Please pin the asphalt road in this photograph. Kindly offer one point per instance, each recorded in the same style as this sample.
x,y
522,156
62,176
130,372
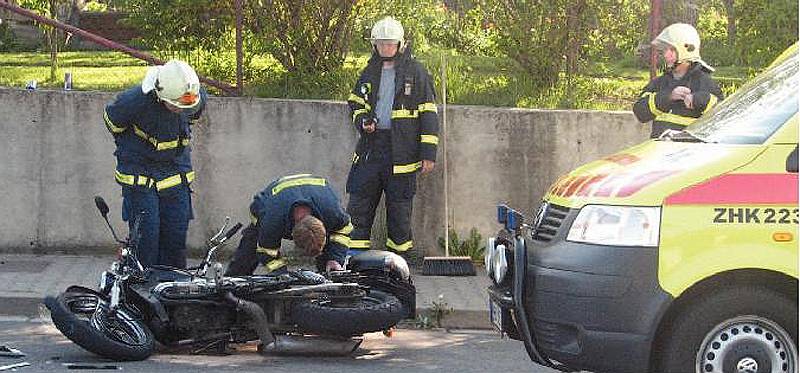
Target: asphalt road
x,y
409,350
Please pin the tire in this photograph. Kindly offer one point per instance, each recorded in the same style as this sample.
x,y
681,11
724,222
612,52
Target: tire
x,y
375,312
82,316
743,329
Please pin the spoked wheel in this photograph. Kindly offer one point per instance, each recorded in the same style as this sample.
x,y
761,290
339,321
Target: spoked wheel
x,y
83,316
375,311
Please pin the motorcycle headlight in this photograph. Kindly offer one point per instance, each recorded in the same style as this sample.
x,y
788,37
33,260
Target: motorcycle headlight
x,y
617,225
499,264
488,256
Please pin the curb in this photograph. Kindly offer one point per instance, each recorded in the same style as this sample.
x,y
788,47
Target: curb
x,y
31,307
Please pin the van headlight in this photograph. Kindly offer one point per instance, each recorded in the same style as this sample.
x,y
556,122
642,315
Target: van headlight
x,y
616,225
499,264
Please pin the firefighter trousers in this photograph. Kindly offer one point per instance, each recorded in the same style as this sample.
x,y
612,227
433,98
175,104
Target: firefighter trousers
x,y
163,219
369,179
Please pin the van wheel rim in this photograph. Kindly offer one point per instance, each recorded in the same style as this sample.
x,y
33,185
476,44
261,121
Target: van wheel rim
x,y
747,344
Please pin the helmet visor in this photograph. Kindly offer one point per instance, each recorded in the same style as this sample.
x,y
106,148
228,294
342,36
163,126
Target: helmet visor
x,y
187,100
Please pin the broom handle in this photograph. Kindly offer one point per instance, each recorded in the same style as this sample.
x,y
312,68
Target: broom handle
x,y
444,156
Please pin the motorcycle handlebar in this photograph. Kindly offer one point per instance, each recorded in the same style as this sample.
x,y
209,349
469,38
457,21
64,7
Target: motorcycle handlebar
x,y
233,230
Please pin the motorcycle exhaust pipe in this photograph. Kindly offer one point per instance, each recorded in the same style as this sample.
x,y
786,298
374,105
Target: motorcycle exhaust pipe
x,y
298,345
256,314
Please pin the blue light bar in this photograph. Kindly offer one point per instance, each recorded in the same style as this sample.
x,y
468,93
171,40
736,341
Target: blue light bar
x,y
502,213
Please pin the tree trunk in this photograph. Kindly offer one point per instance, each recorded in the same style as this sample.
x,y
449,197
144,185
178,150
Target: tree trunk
x,y
53,41
731,14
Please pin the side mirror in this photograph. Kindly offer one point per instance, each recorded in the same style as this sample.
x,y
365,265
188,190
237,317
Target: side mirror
x,y
791,161
101,205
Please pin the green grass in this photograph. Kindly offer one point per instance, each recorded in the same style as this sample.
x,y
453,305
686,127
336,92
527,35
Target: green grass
x,y
105,71
471,80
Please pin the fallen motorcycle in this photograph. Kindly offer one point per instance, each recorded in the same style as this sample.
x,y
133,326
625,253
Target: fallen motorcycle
x,y
134,306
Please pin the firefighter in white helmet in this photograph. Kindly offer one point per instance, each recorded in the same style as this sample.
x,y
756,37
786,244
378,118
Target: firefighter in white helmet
x,y
151,125
685,91
392,106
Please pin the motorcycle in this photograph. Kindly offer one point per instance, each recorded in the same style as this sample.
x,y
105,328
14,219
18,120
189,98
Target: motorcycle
x,y
134,306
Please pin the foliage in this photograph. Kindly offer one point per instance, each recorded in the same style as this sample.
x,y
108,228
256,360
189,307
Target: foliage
x,y
95,6
8,40
765,29
304,36
621,27
171,26
56,9
471,246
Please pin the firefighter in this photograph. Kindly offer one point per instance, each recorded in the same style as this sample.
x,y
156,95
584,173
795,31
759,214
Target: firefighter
x,y
151,124
303,208
392,107
685,91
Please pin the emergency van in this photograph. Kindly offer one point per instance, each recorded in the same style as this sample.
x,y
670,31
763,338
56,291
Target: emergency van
x,y
676,255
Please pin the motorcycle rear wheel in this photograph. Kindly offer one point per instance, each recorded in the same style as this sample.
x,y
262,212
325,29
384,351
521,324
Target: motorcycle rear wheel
x,y
83,316
376,311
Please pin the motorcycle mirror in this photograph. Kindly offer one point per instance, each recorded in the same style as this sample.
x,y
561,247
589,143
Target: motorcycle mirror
x,y
101,205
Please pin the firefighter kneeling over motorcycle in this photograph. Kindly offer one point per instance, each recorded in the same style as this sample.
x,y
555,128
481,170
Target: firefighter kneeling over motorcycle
x,y
303,208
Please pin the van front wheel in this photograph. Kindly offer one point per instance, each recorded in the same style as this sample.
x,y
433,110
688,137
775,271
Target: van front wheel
x,y
742,330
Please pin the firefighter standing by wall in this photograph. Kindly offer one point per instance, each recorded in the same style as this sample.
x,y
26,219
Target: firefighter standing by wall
x,y
685,91
151,128
303,208
393,108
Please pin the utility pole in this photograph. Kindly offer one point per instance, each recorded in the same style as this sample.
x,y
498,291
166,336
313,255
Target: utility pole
x,y
655,28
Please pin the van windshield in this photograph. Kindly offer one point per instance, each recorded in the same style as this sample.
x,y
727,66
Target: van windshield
x,y
756,111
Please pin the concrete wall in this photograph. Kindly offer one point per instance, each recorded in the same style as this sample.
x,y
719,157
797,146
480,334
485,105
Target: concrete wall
x,y
57,155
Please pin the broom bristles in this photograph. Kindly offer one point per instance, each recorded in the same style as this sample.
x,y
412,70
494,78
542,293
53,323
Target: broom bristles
x,y
448,266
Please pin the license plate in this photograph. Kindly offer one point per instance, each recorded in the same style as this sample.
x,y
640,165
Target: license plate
x,y
496,316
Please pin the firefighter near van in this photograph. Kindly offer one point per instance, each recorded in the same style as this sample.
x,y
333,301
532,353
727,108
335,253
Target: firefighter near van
x,y
392,107
677,255
685,91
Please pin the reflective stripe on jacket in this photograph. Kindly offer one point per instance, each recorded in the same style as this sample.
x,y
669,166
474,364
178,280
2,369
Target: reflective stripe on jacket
x,y
654,103
415,119
152,142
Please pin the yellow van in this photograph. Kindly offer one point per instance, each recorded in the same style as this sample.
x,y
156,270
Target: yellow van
x,y
676,255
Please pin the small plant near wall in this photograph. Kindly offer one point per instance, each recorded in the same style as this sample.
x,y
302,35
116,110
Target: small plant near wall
x,y
472,246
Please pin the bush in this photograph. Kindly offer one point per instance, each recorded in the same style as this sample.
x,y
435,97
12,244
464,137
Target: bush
x,y
8,41
472,246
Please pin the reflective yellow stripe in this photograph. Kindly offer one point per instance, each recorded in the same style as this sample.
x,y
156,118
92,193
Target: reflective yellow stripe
x,y
401,248
406,168
358,100
427,106
298,182
712,100
275,264
429,139
675,119
651,103
166,145
110,125
291,177
404,114
174,180
268,251
130,179
359,244
346,229
355,158
359,112
342,239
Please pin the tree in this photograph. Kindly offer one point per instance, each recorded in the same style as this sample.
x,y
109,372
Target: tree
x,y
60,10
305,36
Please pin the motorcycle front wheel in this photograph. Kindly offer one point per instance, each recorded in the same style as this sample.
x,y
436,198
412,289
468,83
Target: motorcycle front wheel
x,y
83,316
376,311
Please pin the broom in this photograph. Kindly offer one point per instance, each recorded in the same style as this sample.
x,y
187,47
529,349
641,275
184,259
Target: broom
x,y
446,265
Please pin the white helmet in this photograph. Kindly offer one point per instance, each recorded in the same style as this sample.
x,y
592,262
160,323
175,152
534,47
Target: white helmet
x,y
175,82
686,41
388,28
